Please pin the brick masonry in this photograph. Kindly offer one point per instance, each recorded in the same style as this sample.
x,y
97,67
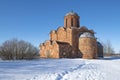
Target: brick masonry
x,y
88,47
66,43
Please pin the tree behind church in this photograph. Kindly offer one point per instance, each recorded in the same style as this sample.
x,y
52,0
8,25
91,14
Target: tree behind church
x,y
107,48
17,49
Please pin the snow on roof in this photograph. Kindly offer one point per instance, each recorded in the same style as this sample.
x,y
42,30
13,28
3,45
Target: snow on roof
x,y
87,34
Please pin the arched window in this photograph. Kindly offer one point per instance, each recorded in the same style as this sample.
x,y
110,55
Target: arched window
x,y
72,22
66,22
77,23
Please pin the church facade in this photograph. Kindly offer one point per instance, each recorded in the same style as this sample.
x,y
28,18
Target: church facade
x,y
71,41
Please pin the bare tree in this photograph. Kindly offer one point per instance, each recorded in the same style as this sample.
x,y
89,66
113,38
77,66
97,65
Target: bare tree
x,y
107,47
15,49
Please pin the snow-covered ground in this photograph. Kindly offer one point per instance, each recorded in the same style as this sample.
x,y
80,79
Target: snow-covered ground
x,y
61,69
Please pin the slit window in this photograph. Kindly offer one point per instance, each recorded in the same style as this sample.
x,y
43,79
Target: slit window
x,y
72,22
66,22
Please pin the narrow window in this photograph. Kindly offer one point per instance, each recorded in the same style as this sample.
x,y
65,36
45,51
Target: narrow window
x,y
77,23
66,22
72,22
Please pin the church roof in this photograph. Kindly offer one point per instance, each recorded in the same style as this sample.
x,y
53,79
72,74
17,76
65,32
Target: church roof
x,y
71,13
85,29
99,44
87,34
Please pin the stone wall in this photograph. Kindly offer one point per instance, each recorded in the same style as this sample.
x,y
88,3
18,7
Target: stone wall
x,y
62,35
68,35
65,50
88,47
53,35
75,39
71,21
55,49
49,49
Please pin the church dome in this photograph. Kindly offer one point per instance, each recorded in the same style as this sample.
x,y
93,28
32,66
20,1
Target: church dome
x,y
87,34
71,13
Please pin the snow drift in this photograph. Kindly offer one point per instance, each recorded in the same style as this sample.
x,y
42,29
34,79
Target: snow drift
x,y
61,69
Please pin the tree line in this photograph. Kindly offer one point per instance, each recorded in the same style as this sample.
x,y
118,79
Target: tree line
x,y
108,49
17,50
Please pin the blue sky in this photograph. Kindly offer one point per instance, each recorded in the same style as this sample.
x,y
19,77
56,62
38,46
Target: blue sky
x,y
32,20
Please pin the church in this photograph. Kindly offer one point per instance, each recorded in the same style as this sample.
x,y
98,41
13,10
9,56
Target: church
x,y
71,41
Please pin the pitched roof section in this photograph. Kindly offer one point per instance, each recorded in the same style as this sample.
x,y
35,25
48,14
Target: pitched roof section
x,y
87,34
85,29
